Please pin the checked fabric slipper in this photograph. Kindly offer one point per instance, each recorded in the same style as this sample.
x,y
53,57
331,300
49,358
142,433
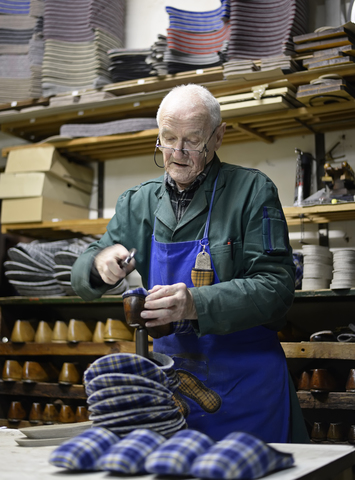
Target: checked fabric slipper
x,y
128,456
240,456
82,452
176,455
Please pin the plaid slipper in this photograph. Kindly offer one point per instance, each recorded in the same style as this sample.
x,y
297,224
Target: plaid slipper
x,y
176,455
81,452
128,456
240,456
128,363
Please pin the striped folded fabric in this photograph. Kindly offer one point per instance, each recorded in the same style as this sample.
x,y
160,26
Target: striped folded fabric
x,y
128,456
200,43
265,28
199,22
240,456
176,455
13,7
83,451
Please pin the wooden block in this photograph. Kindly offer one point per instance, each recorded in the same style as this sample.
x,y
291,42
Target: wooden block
x,y
347,28
330,62
326,43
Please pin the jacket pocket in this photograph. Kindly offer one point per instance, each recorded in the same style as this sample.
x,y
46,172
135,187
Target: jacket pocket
x,y
226,259
275,232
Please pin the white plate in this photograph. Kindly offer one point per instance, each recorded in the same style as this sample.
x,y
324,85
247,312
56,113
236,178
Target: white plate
x,y
56,431
42,442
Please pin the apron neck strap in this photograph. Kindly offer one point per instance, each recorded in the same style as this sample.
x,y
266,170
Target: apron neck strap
x,y
205,234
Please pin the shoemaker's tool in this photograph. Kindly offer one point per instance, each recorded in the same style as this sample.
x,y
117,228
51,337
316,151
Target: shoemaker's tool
x,y
127,260
133,305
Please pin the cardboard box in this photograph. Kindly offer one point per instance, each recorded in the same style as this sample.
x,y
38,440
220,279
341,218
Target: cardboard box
x,y
34,184
48,159
39,209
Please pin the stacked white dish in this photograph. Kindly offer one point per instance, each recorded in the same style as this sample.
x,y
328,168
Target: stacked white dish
x,y
317,267
343,269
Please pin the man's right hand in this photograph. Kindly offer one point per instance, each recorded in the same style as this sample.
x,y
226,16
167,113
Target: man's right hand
x,y
107,264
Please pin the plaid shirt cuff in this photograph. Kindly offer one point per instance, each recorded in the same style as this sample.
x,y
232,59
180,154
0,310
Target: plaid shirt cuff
x,y
183,327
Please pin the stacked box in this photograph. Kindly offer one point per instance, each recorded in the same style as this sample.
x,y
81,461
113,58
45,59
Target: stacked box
x,y
40,185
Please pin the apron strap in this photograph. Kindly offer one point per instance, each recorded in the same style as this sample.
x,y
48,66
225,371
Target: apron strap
x,y
207,227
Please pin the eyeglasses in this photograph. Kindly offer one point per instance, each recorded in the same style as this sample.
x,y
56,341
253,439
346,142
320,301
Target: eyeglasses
x,y
188,152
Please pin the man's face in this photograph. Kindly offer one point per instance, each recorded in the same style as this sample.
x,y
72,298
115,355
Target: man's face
x,y
183,128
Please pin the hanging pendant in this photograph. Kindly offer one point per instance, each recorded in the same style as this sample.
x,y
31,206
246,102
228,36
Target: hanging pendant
x,y
202,273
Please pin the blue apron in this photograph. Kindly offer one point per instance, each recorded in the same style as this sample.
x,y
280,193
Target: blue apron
x,y
247,368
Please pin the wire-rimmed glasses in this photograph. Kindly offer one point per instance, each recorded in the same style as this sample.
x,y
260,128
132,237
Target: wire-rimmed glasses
x,y
188,152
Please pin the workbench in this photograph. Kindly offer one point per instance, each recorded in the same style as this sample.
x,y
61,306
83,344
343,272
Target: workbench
x,y
312,462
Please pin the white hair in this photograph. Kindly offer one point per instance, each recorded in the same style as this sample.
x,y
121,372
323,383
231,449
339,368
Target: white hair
x,y
201,94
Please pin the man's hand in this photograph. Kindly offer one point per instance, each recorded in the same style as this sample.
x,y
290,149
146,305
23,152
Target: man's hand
x,y
168,303
107,264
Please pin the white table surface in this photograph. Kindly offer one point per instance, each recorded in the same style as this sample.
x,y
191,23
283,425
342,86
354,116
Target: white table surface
x,y
312,462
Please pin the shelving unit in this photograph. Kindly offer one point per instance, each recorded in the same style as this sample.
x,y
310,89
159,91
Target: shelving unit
x,y
35,121
81,353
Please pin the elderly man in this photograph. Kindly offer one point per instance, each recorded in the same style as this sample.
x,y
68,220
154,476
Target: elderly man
x,y
213,250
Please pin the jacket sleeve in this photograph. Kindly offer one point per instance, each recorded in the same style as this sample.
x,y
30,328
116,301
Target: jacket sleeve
x,y
131,226
260,288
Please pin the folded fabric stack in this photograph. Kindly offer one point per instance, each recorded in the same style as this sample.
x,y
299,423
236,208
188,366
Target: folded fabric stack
x,y
158,66
128,391
343,269
41,268
187,453
196,40
108,128
77,37
128,64
265,28
317,267
284,62
21,50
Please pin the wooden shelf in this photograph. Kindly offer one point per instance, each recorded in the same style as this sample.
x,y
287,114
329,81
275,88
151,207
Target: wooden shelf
x,y
320,213
49,390
331,400
65,300
67,349
327,350
142,97
69,228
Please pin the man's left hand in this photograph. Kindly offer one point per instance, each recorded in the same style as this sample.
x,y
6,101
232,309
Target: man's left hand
x,y
168,303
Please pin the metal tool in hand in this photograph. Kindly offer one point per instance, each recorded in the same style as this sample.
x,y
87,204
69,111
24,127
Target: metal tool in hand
x,y
127,260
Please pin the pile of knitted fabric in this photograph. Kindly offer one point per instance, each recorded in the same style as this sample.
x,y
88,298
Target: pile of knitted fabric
x,y
196,40
21,50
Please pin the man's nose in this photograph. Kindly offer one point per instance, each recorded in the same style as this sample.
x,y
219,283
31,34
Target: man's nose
x,y
178,152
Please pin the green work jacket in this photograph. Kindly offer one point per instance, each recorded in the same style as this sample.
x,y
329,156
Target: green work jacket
x,y
248,239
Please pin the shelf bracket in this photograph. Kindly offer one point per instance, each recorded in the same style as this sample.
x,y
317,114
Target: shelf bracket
x,y
253,132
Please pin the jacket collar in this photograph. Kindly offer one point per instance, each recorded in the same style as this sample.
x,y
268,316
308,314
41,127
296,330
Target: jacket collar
x,y
200,202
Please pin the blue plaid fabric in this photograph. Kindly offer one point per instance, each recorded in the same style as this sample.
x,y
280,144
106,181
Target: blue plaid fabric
x,y
135,291
124,390
121,380
298,261
128,456
82,451
127,363
126,402
240,456
176,455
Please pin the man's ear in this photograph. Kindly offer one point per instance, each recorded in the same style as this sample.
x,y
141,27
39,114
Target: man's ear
x,y
219,135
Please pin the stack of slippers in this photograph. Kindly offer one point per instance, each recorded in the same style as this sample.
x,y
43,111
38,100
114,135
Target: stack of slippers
x,y
128,391
186,453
